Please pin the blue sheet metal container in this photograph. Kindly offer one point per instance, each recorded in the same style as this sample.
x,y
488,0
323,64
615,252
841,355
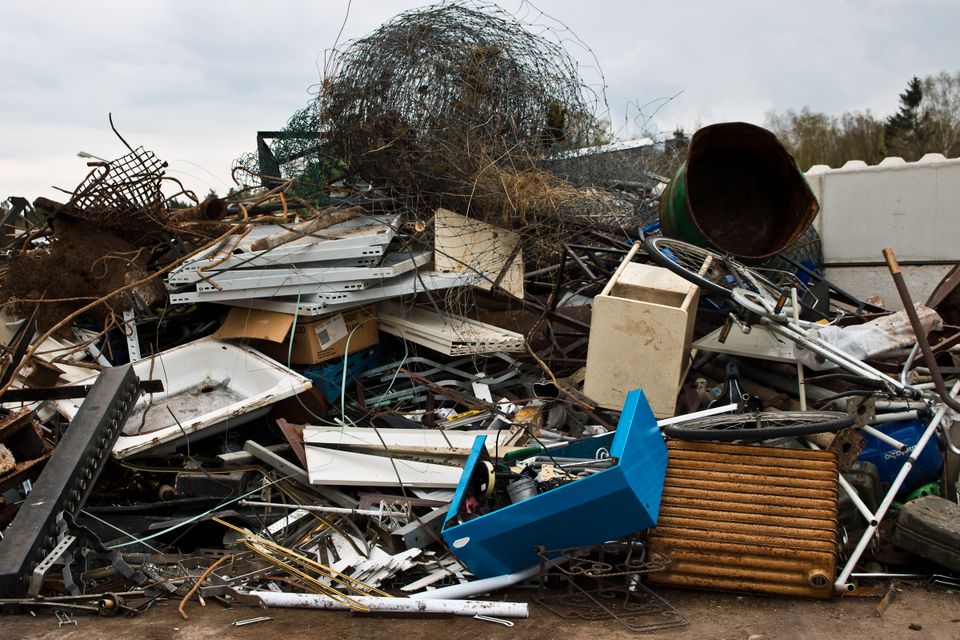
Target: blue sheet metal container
x,y
615,502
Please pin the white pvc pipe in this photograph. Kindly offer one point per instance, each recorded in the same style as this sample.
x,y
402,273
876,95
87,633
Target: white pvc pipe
x,y
883,418
880,435
474,587
485,585
406,605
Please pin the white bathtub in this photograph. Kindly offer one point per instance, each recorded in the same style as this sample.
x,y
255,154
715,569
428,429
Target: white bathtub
x,y
209,385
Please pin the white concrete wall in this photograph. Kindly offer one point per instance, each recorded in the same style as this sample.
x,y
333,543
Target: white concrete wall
x,y
913,207
875,281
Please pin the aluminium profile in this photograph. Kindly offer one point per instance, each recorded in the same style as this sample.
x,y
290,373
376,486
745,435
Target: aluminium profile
x,y
334,291
407,284
361,242
190,273
393,265
450,334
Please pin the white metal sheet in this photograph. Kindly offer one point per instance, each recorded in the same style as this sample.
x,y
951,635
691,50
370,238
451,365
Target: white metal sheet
x,y
346,468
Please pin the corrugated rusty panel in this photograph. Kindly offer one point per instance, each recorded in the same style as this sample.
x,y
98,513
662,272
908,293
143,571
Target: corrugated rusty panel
x,y
748,518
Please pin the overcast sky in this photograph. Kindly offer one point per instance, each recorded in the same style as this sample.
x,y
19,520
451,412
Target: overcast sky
x,y
194,80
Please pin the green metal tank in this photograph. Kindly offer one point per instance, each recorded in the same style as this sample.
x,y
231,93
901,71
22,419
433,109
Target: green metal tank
x,y
740,192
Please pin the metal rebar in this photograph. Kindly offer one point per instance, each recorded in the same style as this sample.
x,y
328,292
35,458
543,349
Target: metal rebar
x,y
918,332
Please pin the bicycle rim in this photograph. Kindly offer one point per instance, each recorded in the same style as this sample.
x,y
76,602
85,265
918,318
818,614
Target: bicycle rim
x,y
759,426
720,277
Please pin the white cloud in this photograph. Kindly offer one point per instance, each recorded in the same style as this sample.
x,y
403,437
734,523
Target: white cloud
x,y
195,80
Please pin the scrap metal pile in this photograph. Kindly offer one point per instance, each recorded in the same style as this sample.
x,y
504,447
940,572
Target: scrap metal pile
x,y
408,365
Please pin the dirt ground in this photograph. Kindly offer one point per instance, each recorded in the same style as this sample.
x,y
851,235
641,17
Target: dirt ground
x,y
915,612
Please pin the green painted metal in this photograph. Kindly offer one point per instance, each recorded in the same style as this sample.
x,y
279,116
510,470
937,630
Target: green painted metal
x,y
739,191
676,221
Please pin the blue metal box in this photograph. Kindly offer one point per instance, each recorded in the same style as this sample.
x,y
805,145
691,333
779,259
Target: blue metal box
x,y
612,503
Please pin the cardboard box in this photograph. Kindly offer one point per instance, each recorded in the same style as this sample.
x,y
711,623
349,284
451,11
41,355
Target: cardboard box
x,y
315,339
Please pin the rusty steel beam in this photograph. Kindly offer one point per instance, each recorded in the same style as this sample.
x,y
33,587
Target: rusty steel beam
x,y
68,477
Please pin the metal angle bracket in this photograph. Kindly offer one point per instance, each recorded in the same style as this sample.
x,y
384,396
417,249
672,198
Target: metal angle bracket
x,y
131,334
41,570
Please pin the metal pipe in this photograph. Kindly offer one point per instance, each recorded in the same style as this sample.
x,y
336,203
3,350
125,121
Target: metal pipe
x,y
880,435
909,363
855,498
801,382
839,357
899,416
918,332
405,605
320,509
485,585
898,405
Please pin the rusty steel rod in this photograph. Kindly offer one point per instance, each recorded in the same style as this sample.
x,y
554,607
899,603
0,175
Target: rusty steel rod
x,y
925,349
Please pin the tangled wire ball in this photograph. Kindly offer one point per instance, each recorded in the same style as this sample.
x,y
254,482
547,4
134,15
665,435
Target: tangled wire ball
x,y
432,97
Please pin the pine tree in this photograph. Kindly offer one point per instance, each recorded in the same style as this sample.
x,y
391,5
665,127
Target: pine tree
x,y
905,132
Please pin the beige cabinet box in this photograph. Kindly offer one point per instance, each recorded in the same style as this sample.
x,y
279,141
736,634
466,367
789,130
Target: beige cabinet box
x,y
640,337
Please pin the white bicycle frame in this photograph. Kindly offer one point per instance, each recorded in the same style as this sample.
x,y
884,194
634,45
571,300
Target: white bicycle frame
x,y
781,323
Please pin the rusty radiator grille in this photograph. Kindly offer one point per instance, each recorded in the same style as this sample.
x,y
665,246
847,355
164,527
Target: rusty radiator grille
x,y
748,518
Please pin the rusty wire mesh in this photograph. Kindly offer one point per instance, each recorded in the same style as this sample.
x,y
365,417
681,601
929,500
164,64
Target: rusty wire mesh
x,y
123,195
461,106
432,97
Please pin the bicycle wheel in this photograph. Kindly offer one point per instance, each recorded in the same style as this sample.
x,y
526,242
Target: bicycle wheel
x,y
720,276
752,427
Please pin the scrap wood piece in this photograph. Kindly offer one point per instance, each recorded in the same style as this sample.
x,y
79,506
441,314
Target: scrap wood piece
x,y
312,304
7,461
463,244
